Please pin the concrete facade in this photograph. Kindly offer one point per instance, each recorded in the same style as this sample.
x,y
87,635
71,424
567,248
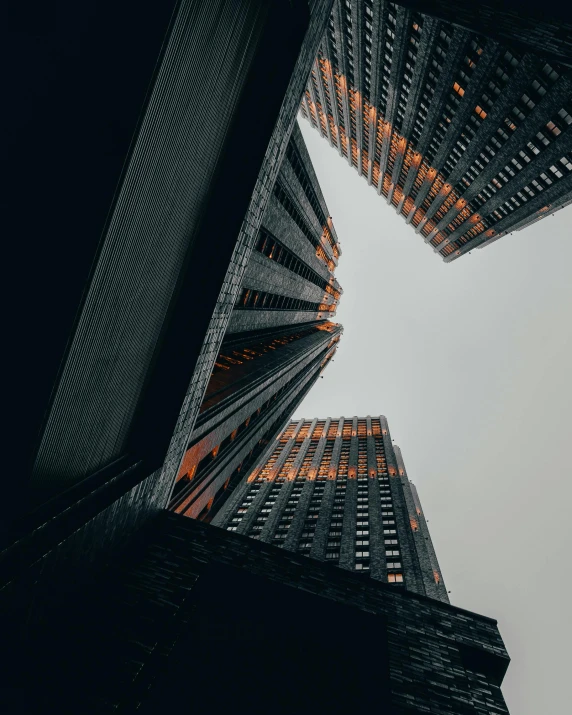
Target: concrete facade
x,y
278,340
337,490
466,137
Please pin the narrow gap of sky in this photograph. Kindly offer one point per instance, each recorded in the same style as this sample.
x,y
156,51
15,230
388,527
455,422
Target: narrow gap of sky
x,y
470,363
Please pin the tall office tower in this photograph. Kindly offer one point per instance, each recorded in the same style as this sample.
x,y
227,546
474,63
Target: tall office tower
x,y
278,341
466,138
337,490
149,174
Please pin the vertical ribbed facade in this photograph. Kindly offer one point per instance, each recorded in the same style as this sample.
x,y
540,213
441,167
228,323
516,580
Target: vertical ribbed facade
x,y
466,138
166,109
337,490
278,340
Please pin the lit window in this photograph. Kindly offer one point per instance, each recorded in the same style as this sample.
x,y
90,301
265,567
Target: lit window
x,y
395,578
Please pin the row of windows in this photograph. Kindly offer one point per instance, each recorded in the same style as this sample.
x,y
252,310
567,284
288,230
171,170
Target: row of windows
x,y
272,248
256,299
299,169
299,220
229,357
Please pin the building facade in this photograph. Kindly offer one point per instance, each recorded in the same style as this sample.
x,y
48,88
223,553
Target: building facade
x,y
467,138
279,339
132,315
190,599
337,490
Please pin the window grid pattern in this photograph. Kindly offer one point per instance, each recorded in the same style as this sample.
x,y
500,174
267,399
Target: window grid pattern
x,y
420,175
319,473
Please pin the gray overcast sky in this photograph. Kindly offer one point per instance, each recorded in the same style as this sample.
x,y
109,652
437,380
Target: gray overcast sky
x,y
470,362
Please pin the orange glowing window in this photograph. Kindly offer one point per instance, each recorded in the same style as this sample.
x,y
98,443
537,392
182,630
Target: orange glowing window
x,y
414,523
458,89
436,577
481,112
395,578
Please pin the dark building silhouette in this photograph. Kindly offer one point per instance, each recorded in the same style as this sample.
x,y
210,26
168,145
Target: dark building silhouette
x,y
278,340
128,250
337,490
194,617
466,137
545,29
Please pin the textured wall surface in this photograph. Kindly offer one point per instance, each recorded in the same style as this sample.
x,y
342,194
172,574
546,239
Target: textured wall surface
x,y
90,429
147,629
245,241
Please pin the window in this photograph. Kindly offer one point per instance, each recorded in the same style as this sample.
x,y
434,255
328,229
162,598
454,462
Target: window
x,y
362,554
395,578
393,565
392,552
362,567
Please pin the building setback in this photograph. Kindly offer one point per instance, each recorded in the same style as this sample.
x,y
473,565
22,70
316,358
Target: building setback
x,y
337,490
465,137
194,616
278,340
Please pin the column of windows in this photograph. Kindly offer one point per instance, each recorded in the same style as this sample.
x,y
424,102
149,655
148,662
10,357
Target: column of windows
x,y
335,533
410,60
251,299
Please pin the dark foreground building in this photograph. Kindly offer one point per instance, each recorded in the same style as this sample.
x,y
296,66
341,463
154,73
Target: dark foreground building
x,y
279,339
337,490
466,137
139,178
198,619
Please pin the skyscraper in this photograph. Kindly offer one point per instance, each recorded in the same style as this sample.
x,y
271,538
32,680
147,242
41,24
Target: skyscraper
x,y
468,139
149,174
278,341
337,490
